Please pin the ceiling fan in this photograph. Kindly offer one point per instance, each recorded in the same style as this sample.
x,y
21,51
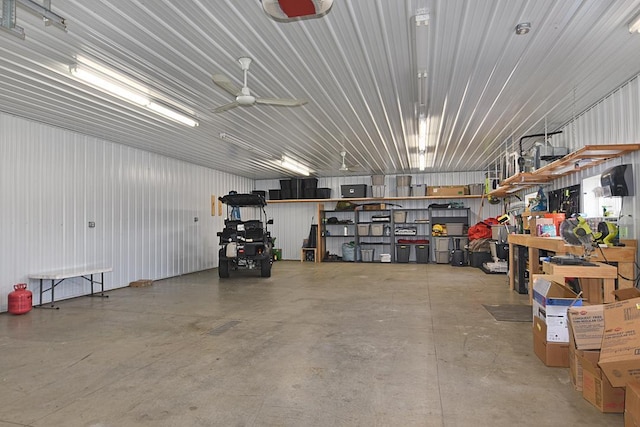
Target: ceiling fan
x,y
348,168
243,95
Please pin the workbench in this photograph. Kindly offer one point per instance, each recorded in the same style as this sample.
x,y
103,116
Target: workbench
x,y
624,256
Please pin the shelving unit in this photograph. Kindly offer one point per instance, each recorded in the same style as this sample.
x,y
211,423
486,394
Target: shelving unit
x,y
415,218
447,216
335,232
380,242
584,158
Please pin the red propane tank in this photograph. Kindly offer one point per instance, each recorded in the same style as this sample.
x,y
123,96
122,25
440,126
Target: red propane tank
x,y
20,299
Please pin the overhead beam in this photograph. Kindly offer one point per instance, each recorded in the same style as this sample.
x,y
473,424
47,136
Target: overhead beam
x,y
50,18
8,19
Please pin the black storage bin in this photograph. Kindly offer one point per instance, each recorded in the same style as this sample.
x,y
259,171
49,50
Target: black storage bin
x,y
476,259
260,193
296,188
309,193
309,183
354,190
402,253
285,184
422,254
275,195
323,193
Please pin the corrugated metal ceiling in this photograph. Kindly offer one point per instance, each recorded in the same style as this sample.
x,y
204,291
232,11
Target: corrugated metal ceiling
x,y
357,66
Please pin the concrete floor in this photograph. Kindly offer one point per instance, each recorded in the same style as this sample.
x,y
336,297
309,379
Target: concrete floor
x,y
315,345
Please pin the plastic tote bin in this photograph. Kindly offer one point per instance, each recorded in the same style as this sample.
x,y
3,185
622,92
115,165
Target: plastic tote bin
x,y
422,254
399,216
442,244
454,228
367,255
402,253
442,257
363,229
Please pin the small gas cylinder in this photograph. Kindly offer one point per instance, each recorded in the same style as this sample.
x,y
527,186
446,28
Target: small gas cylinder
x,y
20,300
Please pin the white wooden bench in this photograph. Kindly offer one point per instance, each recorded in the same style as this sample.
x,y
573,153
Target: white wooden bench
x,y
59,276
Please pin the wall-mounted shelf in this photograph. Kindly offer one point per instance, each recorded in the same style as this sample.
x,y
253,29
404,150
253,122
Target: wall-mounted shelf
x,y
584,158
376,199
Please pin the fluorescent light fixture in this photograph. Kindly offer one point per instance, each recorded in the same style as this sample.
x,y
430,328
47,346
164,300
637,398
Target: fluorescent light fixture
x,y
422,133
116,84
634,25
422,161
173,115
108,86
294,166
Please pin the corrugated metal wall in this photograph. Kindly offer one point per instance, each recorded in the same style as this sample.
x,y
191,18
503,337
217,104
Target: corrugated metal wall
x,y
292,221
53,182
613,120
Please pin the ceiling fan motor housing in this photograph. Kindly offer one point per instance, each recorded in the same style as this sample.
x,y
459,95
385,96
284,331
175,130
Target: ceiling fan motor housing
x,y
245,99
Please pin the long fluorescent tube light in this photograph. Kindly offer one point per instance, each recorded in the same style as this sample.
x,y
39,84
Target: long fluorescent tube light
x,y
294,166
122,90
634,25
422,161
422,133
107,86
167,112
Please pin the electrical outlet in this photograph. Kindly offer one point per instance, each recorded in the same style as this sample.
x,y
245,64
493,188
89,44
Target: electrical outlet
x,y
195,219
92,224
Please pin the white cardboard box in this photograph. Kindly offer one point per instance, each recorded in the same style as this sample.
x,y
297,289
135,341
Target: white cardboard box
x,y
550,303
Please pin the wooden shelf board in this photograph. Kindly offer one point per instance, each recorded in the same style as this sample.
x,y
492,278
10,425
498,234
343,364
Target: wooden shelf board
x,y
374,200
584,158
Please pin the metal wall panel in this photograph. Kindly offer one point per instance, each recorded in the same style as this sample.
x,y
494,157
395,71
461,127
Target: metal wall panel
x,y
613,120
53,182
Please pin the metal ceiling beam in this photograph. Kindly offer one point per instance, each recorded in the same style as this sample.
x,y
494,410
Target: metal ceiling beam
x,y
44,11
8,19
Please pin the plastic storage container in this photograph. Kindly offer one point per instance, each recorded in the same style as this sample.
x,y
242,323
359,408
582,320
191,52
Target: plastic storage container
x,y
399,216
377,180
442,244
422,254
442,257
403,181
377,191
402,253
454,228
363,229
403,191
377,229
367,255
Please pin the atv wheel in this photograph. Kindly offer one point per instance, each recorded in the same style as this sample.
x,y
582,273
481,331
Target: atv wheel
x,y
265,268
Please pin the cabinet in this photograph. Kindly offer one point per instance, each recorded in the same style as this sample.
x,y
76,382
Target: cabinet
x,y
456,221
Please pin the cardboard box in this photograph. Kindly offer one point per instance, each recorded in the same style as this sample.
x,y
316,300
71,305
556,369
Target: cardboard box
x,y
620,354
448,190
141,283
550,303
632,405
597,389
544,227
575,359
552,354
587,326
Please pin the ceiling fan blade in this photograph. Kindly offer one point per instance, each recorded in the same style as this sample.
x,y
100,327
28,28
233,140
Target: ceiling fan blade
x,y
287,102
226,84
226,107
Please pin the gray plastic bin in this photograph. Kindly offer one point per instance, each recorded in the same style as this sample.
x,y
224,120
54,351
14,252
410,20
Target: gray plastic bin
x,y
403,252
422,254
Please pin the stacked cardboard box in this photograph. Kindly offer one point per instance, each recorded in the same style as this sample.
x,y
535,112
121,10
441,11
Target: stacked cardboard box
x,y
605,350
